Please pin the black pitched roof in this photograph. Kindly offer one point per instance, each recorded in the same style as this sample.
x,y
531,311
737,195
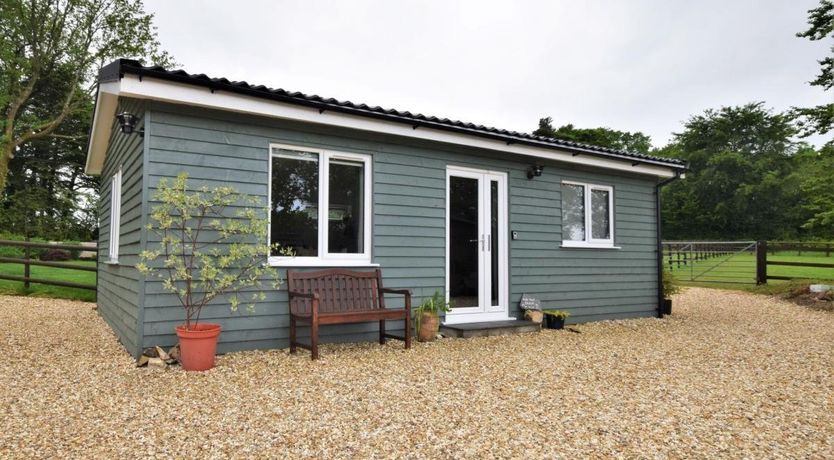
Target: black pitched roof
x,y
116,69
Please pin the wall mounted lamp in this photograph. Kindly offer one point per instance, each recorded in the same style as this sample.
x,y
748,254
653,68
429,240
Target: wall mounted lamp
x,y
127,122
535,171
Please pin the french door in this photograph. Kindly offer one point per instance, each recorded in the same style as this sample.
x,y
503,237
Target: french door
x,y
476,245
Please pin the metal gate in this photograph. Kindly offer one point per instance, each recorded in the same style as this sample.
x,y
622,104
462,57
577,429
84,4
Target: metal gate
x,y
711,261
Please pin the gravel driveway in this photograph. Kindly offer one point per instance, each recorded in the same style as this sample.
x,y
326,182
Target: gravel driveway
x,y
728,375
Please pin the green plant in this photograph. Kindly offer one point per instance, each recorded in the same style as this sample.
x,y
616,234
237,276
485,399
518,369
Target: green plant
x,y
18,252
433,305
668,286
212,243
560,314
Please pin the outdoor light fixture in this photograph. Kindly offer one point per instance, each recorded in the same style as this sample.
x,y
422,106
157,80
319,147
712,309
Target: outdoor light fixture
x,y
127,121
534,171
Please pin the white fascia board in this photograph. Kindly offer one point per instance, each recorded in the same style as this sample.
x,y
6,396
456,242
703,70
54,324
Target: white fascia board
x,y
107,99
180,93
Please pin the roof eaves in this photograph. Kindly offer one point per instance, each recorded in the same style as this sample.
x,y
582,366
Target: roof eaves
x,y
119,67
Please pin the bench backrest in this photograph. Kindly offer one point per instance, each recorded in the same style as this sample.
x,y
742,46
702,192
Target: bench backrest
x,y
339,290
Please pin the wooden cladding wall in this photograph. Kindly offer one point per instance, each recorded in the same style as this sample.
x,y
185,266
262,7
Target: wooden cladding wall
x,y
408,222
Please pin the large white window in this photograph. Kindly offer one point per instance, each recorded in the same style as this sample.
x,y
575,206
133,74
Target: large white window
x,y
320,206
587,215
115,214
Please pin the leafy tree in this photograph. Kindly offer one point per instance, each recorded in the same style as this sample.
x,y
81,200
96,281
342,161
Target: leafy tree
x,y
740,183
206,249
815,175
47,41
636,142
47,193
820,119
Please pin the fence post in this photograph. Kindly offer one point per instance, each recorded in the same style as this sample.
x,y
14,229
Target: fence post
x,y
761,262
26,269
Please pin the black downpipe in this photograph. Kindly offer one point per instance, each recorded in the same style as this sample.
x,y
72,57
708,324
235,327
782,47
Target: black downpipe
x,y
660,185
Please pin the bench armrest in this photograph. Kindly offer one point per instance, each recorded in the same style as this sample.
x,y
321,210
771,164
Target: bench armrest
x,y
405,292
314,303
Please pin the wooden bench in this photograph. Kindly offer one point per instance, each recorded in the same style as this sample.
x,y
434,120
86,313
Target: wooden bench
x,y
338,296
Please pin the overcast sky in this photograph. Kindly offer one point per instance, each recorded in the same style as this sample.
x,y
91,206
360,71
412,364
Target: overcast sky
x,y
635,66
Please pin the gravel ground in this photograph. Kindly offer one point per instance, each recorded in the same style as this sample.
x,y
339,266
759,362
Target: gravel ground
x,y
728,375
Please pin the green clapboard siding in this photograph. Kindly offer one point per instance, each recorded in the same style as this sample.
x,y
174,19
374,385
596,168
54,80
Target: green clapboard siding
x,y
408,222
119,293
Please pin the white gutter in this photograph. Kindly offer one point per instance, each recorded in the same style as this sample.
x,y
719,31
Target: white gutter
x,y
179,93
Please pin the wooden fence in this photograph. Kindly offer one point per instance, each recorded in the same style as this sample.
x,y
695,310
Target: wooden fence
x,y
27,261
742,262
762,261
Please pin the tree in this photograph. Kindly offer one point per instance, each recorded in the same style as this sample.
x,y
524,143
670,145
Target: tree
x,y
820,119
206,249
48,41
635,142
815,175
740,183
47,193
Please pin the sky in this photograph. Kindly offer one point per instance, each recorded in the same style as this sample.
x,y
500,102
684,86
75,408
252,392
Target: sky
x,y
633,66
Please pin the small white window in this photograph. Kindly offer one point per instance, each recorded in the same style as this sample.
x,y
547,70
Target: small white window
x,y
320,206
587,215
115,213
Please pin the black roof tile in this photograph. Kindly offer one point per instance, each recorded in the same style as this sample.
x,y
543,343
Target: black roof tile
x,y
129,66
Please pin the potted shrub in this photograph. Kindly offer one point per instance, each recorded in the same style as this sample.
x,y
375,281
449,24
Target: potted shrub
x,y
668,288
427,316
211,244
555,319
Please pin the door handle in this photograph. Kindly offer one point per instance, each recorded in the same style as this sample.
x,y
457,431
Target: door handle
x,y
480,240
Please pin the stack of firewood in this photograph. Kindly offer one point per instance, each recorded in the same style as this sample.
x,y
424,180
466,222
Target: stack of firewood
x,y
157,357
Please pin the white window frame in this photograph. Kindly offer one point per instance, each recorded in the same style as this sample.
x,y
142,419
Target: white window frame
x,y
590,242
326,258
115,215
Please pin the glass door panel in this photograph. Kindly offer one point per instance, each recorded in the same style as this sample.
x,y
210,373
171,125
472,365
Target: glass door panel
x,y
464,242
492,239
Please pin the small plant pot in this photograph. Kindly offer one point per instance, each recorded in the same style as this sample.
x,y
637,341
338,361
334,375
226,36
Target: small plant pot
x,y
429,325
666,306
198,346
553,322
535,316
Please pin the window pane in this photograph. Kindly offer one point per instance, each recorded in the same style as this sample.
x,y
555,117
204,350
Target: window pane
x,y
345,217
573,212
295,202
600,216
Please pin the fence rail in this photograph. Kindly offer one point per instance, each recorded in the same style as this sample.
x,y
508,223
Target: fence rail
x,y
27,261
747,262
774,248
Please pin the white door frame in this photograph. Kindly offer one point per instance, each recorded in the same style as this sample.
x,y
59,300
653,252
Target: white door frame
x,y
484,311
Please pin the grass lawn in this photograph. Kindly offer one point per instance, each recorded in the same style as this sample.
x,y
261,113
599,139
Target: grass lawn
x,y
50,273
741,268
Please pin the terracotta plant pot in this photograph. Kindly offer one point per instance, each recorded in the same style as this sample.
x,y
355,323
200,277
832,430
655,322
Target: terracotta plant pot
x,y
198,346
429,325
535,316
